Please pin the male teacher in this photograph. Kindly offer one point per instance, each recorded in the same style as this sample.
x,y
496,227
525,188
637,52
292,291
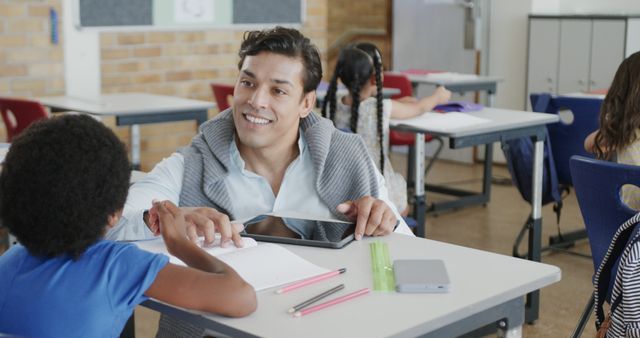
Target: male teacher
x,y
268,153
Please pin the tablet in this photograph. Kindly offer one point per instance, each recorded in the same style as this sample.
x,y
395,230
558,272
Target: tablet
x,y
421,275
268,228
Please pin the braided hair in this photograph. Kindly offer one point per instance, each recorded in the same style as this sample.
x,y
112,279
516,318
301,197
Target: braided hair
x,y
354,68
374,53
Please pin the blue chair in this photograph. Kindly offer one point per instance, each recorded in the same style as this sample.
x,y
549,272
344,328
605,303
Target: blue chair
x,y
567,139
597,184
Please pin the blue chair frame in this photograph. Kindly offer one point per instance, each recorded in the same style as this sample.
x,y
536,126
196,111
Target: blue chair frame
x,y
597,184
567,139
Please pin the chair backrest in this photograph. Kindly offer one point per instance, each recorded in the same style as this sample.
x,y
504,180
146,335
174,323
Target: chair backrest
x,y
567,137
597,184
399,81
18,114
221,93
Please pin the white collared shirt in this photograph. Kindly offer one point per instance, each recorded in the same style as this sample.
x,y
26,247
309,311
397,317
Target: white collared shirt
x,y
251,194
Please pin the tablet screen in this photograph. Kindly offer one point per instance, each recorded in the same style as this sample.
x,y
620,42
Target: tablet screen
x,y
297,231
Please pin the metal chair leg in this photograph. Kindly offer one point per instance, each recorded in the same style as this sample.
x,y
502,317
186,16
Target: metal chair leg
x,y
584,318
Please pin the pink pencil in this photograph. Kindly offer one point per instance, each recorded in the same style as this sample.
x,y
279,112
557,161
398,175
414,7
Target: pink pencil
x,y
331,302
310,280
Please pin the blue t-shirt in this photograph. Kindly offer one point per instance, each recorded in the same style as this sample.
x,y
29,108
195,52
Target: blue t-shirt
x,y
59,297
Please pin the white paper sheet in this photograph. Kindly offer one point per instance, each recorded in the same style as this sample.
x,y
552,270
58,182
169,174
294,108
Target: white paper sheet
x,y
442,122
261,265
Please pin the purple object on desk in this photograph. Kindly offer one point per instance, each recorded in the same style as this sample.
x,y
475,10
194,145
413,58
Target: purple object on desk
x,y
458,106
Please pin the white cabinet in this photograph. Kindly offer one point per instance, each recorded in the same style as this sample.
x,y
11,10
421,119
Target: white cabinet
x,y
577,53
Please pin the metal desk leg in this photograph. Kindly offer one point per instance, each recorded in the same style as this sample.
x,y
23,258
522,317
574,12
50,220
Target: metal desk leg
x,y
419,206
135,146
535,232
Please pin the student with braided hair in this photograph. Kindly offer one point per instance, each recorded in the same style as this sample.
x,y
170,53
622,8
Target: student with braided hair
x,y
364,111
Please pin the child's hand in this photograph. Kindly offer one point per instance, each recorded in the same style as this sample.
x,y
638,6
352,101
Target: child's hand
x,y
442,95
171,222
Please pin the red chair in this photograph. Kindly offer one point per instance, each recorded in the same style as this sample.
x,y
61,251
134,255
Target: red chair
x,y
398,138
18,114
221,93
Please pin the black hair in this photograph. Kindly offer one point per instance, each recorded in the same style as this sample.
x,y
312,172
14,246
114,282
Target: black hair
x,y
355,66
61,180
289,42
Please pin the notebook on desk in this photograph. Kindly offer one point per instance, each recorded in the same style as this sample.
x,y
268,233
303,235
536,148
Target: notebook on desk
x,y
263,266
438,122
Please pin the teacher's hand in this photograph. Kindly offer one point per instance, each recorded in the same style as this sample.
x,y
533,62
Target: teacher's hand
x,y
204,221
373,217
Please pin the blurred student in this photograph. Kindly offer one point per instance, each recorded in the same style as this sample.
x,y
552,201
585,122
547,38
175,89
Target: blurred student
x,y
364,111
618,138
63,183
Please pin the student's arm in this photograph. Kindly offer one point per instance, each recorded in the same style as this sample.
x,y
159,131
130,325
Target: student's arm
x,y
405,109
590,142
164,182
207,284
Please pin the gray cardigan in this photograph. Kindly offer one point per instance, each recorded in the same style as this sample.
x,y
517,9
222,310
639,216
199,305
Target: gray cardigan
x,y
343,169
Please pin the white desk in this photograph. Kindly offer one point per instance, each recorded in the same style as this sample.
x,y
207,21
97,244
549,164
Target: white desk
x,y
503,125
321,92
487,288
132,109
458,83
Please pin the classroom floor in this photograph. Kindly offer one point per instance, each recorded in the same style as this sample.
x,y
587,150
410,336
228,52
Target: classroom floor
x,y
494,228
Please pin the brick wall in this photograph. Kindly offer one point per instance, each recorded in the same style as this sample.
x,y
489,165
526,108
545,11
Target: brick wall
x,y
345,16
179,63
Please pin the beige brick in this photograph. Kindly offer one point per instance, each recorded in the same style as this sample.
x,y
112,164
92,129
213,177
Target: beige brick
x,y
4,86
190,36
13,41
45,69
41,10
113,68
147,52
13,70
205,49
28,25
28,85
115,53
219,36
146,78
107,40
161,37
176,50
179,76
207,74
40,40
23,55
13,9
161,64
115,80
170,140
131,38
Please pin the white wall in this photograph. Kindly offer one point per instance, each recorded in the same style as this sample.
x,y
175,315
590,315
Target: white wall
x,y
508,50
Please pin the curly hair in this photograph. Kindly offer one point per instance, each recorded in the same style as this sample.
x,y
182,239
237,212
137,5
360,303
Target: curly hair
x,y
61,180
289,42
620,111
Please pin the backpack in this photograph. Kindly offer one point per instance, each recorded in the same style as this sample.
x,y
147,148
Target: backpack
x,y
623,254
519,154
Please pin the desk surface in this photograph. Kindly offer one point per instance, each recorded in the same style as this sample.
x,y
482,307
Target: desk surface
x,y
497,120
480,280
125,103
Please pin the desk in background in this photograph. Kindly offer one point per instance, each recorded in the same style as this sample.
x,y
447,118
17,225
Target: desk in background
x,y
133,109
502,125
486,288
460,83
